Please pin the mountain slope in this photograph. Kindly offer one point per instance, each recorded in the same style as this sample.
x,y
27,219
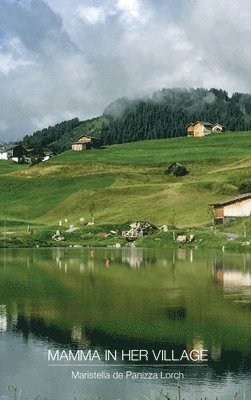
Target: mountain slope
x,y
59,138
127,182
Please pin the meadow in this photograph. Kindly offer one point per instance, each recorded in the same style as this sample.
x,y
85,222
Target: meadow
x,y
127,182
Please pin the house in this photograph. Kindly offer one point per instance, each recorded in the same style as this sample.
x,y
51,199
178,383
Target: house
x,y
201,128
85,143
218,128
11,151
236,207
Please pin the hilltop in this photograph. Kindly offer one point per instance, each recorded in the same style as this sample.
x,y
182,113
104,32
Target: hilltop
x,y
126,183
166,113
163,114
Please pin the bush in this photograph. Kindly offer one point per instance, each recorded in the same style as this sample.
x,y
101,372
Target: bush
x,y
245,187
176,169
180,171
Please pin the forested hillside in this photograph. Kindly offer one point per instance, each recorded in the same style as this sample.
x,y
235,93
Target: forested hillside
x,y
166,114
58,138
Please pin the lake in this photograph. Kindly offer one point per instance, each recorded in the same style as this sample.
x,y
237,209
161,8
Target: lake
x,y
132,305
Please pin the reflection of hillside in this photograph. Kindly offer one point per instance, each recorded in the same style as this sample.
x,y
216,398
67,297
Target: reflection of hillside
x,y
220,359
38,327
166,300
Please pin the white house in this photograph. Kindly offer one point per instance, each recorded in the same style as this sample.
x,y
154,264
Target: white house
x,y
237,207
10,151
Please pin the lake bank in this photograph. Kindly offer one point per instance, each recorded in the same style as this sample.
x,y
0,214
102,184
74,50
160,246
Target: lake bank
x,y
232,237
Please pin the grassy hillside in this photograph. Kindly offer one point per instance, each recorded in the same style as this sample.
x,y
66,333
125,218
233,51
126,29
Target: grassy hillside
x,y
59,137
90,127
127,182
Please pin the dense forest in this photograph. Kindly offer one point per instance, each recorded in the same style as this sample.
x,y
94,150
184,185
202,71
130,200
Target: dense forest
x,y
166,113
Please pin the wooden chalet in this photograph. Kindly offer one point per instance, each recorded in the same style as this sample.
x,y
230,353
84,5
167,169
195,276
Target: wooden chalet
x,y
236,207
201,128
85,143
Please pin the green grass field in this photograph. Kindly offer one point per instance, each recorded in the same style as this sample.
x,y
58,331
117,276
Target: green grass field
x,y
127,182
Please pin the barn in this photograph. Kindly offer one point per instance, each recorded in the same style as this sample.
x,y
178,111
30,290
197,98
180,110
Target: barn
x,y
85,143
236,207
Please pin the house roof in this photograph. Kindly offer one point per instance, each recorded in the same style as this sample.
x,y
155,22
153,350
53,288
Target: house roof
x,y
200,122
7,147
79,141
217,123
87,136
204,123
235,199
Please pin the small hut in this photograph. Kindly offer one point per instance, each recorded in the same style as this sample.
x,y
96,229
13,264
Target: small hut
x,y
85,143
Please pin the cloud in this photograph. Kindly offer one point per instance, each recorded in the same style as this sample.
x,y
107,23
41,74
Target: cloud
x,y
60,58
91,14
12,56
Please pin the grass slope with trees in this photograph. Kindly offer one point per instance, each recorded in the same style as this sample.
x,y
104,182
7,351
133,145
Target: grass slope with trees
x,y
59,138
125,183
167,112
164,114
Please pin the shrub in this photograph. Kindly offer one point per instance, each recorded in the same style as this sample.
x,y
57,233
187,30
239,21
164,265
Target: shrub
x,y
176,169
180,171
245,187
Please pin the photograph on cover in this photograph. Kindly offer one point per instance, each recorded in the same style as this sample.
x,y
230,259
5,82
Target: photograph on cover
x,y
125,176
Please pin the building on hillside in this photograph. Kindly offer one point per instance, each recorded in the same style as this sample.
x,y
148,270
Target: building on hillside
x,y
201,128
236,207
218,128
11,151
85,143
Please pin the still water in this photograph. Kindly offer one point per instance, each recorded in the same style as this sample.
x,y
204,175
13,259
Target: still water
x,y
119,300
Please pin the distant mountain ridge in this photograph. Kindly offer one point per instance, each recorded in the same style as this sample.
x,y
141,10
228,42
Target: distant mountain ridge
x,y
164,114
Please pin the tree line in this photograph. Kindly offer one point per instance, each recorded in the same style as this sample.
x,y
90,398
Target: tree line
x,y
166,114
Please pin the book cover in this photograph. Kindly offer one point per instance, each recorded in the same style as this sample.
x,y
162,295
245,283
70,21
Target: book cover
x,y
125,267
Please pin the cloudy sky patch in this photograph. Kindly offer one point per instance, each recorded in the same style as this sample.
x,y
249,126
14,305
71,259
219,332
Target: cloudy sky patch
x,y
61,59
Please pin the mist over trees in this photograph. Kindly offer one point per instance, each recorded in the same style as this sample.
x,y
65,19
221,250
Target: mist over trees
x,y
166,113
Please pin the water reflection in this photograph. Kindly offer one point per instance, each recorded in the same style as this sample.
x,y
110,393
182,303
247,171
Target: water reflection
x,y
3,318
236,283
131,298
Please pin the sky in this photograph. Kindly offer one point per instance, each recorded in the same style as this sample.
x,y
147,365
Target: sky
x,y
61,59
